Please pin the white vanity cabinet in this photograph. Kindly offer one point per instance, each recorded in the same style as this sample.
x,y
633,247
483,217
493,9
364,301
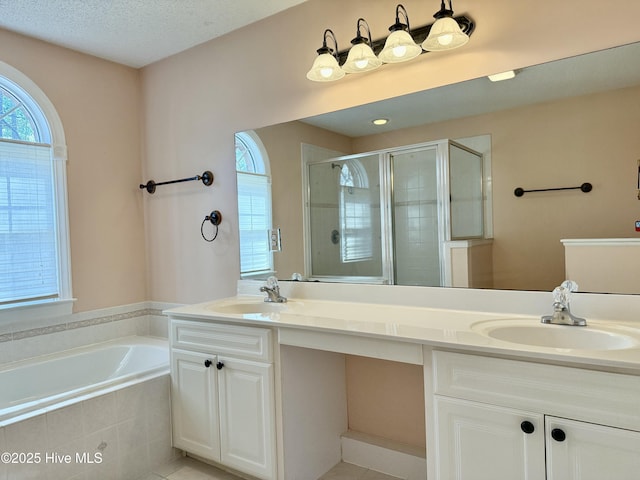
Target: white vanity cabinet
x,y
222,394
495,418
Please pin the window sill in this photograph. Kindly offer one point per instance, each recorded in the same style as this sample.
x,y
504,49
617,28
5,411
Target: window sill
x,y
30,311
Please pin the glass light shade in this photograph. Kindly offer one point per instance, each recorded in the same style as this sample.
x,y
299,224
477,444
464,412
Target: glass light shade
x,y
361,59
399,47
325,68
445,34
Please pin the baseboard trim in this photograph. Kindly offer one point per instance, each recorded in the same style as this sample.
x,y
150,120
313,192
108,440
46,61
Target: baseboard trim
x,y
385,456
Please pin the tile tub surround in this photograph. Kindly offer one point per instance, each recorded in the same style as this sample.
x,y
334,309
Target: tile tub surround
x,y
20,340
130,428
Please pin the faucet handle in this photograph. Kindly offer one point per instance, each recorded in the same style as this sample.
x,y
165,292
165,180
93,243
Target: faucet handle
x,y
570,285
562,294
272,282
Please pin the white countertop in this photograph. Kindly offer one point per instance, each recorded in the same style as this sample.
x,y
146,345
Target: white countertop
x,y
437,327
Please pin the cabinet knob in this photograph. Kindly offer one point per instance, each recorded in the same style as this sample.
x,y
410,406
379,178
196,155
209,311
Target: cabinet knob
x,y
558,435
207,363
219,365
527,427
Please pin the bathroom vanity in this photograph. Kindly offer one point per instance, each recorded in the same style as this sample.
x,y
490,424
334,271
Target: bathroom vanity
x,y
260,387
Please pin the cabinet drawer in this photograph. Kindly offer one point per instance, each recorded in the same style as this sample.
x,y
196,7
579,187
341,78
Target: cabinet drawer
x,y
252,343
588,395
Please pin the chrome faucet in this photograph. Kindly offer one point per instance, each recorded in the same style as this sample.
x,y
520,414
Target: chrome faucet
x,y
561,312
272,289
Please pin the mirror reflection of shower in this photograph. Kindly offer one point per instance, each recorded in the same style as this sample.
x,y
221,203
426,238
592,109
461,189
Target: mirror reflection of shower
x,y
432,229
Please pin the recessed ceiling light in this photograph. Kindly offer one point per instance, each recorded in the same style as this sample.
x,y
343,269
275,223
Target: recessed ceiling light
x,y
380,121
498,77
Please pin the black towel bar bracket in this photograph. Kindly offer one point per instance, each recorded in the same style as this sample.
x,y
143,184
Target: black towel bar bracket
x,y
206,177
585,187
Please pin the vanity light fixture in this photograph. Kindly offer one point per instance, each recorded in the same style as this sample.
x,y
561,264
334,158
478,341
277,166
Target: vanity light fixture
x,y
498,77
400,46
326,68
446,33
361,57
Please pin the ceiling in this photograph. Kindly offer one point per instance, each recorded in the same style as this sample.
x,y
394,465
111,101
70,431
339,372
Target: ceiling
x,y
581,75
133,32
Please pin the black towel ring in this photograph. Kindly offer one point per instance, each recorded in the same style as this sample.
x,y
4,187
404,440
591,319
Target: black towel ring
x,y
215,218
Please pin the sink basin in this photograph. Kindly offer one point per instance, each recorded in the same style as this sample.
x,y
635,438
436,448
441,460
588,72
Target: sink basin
x,y
249,308
526,332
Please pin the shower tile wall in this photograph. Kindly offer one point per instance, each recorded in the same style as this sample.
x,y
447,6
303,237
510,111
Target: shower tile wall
x,y
416,242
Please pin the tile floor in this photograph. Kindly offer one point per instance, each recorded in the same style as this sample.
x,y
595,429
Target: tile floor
x,y
189,469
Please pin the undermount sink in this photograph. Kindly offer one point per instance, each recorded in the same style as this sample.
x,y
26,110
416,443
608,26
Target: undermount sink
x,y
249,308
534,333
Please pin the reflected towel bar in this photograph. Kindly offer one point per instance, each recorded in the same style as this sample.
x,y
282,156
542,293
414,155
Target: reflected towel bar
x,y
585,187
206,177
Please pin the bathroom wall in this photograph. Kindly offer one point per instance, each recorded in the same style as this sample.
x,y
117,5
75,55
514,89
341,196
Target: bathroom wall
x,y
99,105
385,412
589,139
282,143
179,116
196,100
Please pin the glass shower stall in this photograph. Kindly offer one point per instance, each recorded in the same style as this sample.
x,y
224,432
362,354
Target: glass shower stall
x,y
388,216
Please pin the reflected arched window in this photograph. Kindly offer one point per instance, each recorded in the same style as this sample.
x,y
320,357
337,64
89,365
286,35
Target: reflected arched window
x,y
355,213
254,205
34,251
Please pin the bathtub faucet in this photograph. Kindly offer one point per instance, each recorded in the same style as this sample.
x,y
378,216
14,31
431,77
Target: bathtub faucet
x,y
272,289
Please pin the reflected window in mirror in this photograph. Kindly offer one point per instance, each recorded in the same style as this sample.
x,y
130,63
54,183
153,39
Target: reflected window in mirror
x,y
355,213
254,205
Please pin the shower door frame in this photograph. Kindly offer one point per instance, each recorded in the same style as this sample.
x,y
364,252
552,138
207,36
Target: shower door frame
x,y
386,209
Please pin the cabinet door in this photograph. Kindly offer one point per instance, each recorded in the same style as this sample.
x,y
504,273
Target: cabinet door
x,y
481,442
585,451
247,417
194,400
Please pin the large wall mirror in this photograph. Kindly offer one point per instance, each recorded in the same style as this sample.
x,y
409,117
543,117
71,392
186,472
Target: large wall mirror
x,y
555,125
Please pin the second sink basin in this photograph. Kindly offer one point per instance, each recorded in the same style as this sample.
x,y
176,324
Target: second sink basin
x,y
531,332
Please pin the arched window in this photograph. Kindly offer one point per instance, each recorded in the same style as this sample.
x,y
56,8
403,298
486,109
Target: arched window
x,y
34,252
355,213
254,205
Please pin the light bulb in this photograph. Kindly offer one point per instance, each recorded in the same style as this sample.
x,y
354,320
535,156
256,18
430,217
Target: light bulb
x,y
362,63
445,39
326,72
399,51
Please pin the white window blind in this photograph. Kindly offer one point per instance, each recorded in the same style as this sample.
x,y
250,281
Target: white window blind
x,y
254,218
355,222
28,250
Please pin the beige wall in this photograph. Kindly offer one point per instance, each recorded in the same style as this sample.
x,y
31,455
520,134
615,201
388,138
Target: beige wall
x,y
99,105
557,144
395,412
254,77
282,142
195,101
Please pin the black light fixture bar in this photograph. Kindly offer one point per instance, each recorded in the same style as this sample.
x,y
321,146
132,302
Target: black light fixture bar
x,y
419,34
